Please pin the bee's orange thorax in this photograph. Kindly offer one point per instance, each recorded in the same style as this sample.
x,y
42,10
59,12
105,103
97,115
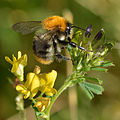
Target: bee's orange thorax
x,y
55,22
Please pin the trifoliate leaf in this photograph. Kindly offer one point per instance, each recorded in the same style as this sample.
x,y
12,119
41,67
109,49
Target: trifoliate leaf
x,y
91,88
95,88
86,90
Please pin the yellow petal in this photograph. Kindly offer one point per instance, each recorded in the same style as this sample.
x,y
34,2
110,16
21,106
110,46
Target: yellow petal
x,y
8,60
19,54
42,109
49,94
27,95
22,89
50,91
42,103
15,67
34,86
32,83
42,79
54,91
29,78
38,104
23,60
44,100
14,58
47,80
51,77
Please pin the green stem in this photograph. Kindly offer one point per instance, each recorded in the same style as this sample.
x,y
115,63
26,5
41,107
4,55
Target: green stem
x,y
63,87
37,117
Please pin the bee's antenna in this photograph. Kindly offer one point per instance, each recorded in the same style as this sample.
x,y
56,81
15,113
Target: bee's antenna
x,y
78,27
88,30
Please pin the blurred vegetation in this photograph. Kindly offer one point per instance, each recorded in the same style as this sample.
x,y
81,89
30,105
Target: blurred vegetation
x,y
101,14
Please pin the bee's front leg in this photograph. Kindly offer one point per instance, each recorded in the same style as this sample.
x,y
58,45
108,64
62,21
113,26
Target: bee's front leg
x,y
71,43
61,57
74,44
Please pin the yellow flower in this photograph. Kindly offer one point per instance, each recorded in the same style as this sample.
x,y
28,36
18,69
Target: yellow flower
x,y
47,82
18,64
31,86
42,103
35,82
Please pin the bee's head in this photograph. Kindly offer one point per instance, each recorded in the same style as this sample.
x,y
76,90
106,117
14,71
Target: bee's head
x,y
68,30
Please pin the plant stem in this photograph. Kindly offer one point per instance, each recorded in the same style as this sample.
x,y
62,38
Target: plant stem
x,y
37,117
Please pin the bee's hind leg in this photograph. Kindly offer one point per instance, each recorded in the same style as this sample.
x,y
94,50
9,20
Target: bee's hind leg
x,y
61,57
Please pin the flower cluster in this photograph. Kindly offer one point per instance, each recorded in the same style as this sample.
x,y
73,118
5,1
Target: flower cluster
x,y
35,82
92,58
38,82
94,53
42,103
18,65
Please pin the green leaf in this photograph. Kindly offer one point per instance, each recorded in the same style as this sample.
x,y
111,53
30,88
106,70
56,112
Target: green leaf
x,y
97,89
86,68
87,91
107,63
79,65
94,79
76,37
91,88
99,69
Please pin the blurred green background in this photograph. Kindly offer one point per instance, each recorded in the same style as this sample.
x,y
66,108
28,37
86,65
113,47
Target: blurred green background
x,y
101,14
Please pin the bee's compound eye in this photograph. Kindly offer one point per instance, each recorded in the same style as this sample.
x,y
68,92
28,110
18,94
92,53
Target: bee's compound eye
x,y
62,37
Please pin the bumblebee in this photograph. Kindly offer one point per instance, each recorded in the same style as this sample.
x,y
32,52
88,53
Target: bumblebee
x,y
51,36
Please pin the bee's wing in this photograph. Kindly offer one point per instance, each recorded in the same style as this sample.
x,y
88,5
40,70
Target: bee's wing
x,y
27,26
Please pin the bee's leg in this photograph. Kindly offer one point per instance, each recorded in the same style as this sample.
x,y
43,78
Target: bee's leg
x,y
55,46
74,44
57,54
61,57
71,43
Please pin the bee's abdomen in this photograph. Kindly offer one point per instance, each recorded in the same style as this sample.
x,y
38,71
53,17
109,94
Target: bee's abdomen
x,y
43,50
